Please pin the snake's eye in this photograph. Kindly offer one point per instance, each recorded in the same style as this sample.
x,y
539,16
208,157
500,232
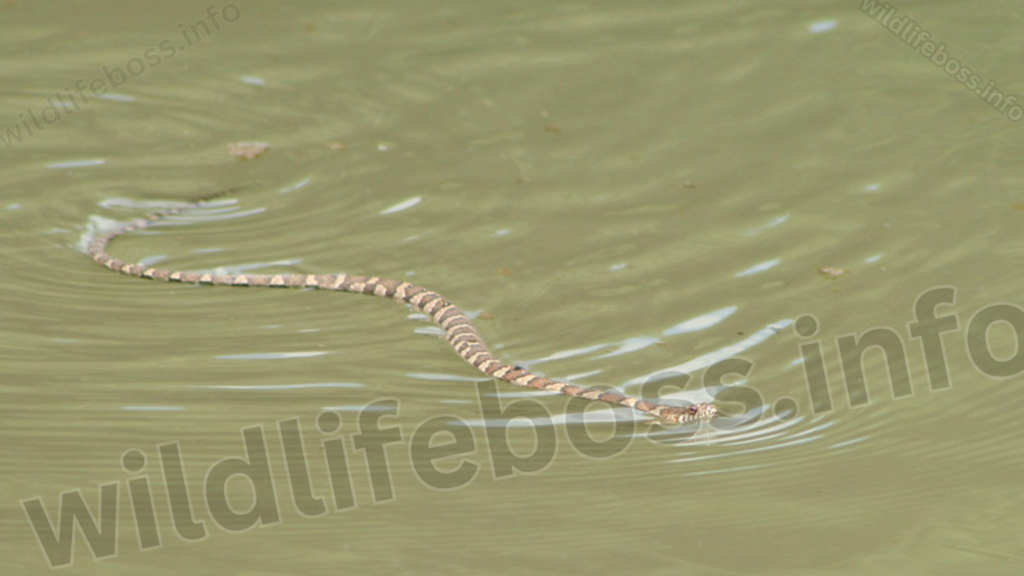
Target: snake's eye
x,y
693,408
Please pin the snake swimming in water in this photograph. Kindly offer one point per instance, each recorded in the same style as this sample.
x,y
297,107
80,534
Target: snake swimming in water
x,y
458,330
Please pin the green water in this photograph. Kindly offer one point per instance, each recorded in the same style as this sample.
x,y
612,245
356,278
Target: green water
x,y
614,193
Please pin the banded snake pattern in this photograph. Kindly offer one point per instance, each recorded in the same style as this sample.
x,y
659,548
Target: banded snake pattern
x,y
458,329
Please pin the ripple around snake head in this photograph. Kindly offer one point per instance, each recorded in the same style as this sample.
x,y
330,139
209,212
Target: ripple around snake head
x,y
704,412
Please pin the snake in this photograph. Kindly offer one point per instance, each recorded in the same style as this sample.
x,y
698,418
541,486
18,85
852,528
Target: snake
x,y
459,331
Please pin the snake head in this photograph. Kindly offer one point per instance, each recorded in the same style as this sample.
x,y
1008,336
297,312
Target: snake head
x,y
702,412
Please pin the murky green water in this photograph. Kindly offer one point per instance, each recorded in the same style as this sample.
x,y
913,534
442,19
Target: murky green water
x,y
615,193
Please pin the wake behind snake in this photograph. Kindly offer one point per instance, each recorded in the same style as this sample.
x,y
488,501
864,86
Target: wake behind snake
x,y
458,330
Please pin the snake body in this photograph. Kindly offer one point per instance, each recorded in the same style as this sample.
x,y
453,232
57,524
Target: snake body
x,y
458,330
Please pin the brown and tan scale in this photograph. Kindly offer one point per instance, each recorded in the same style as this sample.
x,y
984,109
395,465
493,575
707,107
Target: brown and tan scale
x,y
459,331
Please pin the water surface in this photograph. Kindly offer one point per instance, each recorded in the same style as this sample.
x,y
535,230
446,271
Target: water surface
x,y
614,193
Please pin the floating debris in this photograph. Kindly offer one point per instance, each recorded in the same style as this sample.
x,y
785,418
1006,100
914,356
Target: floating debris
x,y
248,150
832,273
